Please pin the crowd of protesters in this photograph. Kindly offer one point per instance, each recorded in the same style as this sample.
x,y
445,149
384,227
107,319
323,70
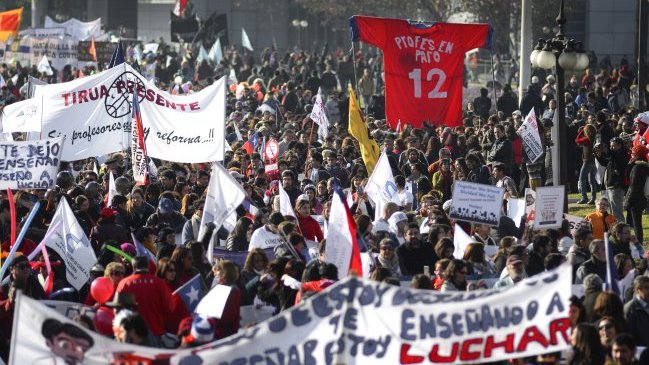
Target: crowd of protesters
x,y
411,241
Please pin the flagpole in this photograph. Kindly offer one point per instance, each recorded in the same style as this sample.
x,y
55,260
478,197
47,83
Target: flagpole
x,y
354,61
308,151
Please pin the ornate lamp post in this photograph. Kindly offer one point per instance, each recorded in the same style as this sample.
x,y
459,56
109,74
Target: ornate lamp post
x,y
563,54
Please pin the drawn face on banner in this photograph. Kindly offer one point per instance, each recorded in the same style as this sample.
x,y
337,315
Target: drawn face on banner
x,y
66,341
118,99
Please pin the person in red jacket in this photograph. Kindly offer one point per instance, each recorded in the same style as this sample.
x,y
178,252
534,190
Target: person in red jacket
x,y
308,226
154,299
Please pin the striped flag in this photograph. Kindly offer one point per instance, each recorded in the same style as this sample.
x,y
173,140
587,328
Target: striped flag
x,y
342,244
138,148
10,23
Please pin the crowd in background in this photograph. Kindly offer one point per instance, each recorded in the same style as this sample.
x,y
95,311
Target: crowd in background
x,y
411,241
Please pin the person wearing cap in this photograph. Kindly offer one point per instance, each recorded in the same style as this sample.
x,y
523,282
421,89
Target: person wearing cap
x,y
516,272
635,200
107,229
166,214
152,295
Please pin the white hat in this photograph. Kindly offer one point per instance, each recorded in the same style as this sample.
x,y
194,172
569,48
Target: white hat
x,y
447,204
642,118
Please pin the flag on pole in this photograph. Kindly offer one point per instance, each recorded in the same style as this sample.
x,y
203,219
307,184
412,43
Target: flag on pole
x,y
342,246
117,57
245,41
191,293
179,8
251,143
92,50
216,53
10,23
138,147
224,195
319,116
143,251
44,66
358,129
202,55
460,240
237,131
611,273
112,190
380,187
285,206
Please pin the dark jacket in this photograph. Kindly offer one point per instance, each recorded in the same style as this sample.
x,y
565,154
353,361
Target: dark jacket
x,y
592,266
615,162
480,175
635,198
637,319
413,259
175,220
501,151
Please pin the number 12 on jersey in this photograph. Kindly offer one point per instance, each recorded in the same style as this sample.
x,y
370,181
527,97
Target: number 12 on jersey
x,y
415,76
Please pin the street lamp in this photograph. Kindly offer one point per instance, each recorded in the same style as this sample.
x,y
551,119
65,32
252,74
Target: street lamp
x,y
299,24
563,54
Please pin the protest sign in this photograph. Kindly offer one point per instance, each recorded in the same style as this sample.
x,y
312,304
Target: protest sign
x,y
23,116
30,164
357,321
516,210
59,51
530,202
477,203
76,28
574,220
549,207
104,51
94,113
529,132
71,244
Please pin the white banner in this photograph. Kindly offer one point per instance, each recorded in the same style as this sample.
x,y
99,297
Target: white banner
x,y
59,52
71,243
18,51
79,30
355,321
549,207
23,116
529,132
43,32
477,203
30,164
94,113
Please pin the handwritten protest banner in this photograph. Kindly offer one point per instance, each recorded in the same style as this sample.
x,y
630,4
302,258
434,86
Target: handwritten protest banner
x,y
549,207
529,132
477,203
30,164
94,113
59,51
355,321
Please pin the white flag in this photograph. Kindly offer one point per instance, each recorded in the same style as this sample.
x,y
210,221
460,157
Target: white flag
x,y
338,250
245,41
202,55
232,77
460,241
44,67
319,115
237,131
285,206
380,187
70,242
216,54
112,190
224,195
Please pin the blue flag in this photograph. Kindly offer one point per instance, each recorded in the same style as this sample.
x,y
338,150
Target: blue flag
x,y
611,272
254,139
118,56
143,251
191,292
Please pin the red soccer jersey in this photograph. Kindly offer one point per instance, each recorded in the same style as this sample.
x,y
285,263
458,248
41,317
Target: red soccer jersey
x,y
424,65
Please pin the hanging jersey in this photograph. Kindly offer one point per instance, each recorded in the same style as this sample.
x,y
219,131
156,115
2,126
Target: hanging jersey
x,y
423,64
